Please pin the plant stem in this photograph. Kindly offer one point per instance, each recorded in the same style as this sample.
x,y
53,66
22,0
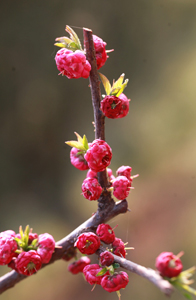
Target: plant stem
x,y
99,117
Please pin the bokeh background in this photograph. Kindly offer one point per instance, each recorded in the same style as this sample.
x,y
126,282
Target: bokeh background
x,y
155,46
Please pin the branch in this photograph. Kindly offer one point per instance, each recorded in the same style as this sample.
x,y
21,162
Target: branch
x,y
67,243
147,273
99,117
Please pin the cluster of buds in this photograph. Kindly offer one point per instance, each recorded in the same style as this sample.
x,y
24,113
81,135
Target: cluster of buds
x,y
104,273
108,278
96,157
71,58
89,242
25,252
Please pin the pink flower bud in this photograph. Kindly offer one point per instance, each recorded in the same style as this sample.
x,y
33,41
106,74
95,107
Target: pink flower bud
x,y
78,266
121,187
78,160
115,107
32,236
124,171
91,174
105,233
100,52
110,175
9,233
91,189
46,246
8,246
168,264
90,273
28,263
87,243
106,258
113,283
98,156
72,64
119,247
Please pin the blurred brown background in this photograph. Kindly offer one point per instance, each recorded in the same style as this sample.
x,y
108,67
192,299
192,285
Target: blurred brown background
x,y
155,46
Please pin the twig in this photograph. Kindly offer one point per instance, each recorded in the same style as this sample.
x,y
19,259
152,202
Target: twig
x,y
147,273
10,279
99,117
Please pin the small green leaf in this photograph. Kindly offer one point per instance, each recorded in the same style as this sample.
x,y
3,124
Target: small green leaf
x,y
85,142
74,36
119,81
27,229
34,243
189,289
106,83
187,296
18,251
73,46
64,39
79,138
60,45
115,91
116,266
21,232
75,144
18,241
102,272
122,87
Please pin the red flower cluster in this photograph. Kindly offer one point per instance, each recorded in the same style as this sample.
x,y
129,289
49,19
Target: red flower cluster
x,y
89,242
110,283
25,253
103,273
72,62
121,184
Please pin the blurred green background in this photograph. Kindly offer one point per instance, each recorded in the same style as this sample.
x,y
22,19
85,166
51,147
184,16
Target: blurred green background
x,y
155,46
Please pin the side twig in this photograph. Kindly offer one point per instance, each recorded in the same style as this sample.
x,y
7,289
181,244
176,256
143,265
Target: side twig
x,y
147,273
